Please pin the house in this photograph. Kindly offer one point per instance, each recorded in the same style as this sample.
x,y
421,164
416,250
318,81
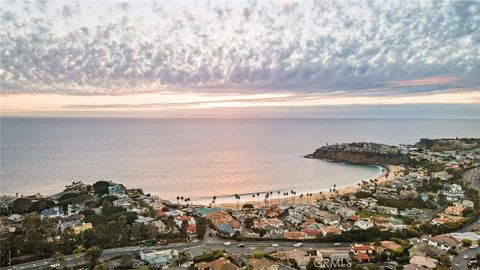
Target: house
x,y
466,204
301,257
83,227
345,212
219,264
123,202
363,224
328,218
368,202
262,264
180,219
330,230
452,192
114,190
74,209
144,220
411,212
387,210
395,224
192,228
226,229
162,228
61,226
159,257
311,233
55,212
424,197
203,211
294,235
426,262
390,245
443,242
15,218
442,175
466,235
174,213
379,221
361,248
455,210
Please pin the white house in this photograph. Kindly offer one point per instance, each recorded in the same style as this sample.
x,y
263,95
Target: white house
x,y
159,257
54,212
363,224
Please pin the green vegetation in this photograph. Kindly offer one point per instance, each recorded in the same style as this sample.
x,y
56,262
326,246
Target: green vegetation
x,y
208,257
101,187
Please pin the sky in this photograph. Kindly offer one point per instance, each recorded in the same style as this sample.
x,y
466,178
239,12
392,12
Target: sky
x,y
314,59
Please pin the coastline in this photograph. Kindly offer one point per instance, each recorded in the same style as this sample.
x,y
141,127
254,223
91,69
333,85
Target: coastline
x,y
388,173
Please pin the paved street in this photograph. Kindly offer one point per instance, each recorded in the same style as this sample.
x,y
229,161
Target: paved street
x,y
264,246
459,263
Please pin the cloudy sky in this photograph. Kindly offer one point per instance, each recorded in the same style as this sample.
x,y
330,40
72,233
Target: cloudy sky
x,y
241,59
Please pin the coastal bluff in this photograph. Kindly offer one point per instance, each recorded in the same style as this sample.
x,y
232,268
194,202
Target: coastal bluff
x,y
362,153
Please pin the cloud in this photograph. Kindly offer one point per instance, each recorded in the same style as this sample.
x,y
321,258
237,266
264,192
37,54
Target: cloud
x,y
357,48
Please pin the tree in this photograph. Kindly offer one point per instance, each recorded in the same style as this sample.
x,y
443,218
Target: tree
x,y
249,222
21,205
101,187
183,229
92,255
102,266
467,242
201,227
77,251
57,256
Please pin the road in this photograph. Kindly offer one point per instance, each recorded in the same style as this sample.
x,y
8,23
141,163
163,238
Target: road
x,y
458,262
473,176
264,246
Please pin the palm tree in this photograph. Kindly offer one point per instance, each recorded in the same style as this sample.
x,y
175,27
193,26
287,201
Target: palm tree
x,y
178,199
253,196
214,199
236,201
57,256
77,251
301,197
258,199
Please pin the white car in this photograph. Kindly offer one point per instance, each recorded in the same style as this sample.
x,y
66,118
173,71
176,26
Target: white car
x,y
298,244
472,247
275,245
227,244
241,245
337,244
55,265
465,257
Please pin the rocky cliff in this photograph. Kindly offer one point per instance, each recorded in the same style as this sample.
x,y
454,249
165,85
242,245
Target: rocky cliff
x,y
360,155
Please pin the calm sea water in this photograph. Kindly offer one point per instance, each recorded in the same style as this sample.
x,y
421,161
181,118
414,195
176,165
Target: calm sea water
x,y
196,158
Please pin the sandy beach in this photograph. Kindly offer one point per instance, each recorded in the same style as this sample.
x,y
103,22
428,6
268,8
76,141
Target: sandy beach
x,y
390,173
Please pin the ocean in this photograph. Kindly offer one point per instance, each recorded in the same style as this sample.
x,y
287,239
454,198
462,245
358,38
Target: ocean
x,y
197,158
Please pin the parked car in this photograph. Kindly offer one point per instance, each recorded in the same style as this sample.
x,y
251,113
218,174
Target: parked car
x,y
227,244
299,244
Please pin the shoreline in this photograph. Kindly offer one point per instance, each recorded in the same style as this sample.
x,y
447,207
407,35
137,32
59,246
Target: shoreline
x,y
387,174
